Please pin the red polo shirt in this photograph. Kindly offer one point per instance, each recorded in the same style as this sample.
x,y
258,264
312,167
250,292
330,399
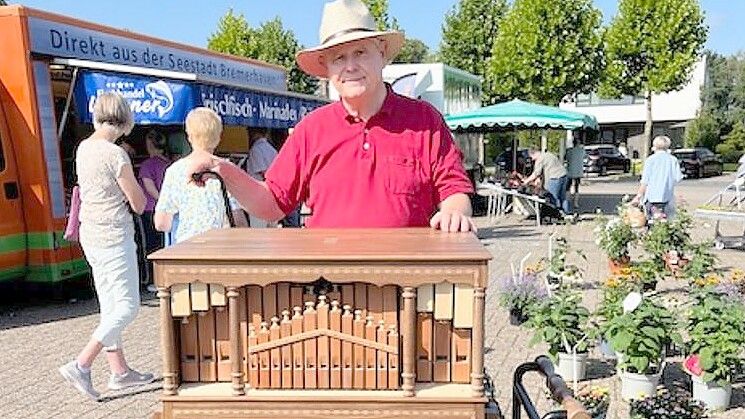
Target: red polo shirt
x,y
392,171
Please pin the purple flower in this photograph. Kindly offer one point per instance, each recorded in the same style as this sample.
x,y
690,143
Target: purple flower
x,y
520,292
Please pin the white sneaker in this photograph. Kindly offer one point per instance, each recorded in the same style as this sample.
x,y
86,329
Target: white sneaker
x,y
131,378
152,288
79,379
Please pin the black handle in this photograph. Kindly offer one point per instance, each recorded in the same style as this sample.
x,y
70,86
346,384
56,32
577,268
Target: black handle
x,y
199,177
556,386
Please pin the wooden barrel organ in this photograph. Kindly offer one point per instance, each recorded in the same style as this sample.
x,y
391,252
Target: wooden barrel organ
x,y
337,314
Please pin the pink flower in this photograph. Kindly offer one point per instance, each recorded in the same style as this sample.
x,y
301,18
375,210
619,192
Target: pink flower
x,y
693,365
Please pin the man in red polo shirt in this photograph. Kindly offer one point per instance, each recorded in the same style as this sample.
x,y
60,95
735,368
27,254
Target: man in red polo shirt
x,y
373,159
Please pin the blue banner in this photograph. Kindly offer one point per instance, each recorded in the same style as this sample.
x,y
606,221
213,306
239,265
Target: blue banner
x,y
152,101
254,109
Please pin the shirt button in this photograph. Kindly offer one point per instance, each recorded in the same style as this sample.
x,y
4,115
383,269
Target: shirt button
x,y
366,146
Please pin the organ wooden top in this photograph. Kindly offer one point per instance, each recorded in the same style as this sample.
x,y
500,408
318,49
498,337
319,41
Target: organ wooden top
x,y
406,256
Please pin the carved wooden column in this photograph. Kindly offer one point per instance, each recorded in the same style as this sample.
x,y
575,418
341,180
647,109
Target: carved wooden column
x,y
236,342
167,343
409,335
477,343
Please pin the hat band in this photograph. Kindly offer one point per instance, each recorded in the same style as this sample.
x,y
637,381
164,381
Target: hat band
x,y
344,32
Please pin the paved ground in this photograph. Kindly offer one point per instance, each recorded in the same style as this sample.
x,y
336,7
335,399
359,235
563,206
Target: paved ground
x,y
36,337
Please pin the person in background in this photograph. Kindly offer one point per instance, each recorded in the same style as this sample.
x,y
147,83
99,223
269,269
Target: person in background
x,y
623,150
199,209
660,175
261,154
554,175
108,191
152,171
374,158
575,160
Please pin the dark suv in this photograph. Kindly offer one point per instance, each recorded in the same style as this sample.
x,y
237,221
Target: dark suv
x,y
604,158
524,162
699,162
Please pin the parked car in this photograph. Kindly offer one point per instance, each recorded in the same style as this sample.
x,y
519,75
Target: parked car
x,y
699,162
524,162
603,158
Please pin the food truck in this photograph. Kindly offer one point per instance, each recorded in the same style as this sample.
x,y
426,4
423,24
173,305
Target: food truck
x,y
52,68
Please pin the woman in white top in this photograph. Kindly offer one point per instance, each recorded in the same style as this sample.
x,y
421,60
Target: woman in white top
x,y
108,191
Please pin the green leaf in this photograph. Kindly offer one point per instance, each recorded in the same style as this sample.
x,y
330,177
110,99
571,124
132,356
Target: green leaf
x,y
707,358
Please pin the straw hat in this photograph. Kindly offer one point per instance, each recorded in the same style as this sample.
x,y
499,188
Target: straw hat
x,y
345,21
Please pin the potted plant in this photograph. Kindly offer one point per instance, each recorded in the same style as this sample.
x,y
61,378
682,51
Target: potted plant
x,y
518,293
595,399
716,329
640,335
668,405
614,290
563,323
614,237
558,268
648,272
701,263
668,239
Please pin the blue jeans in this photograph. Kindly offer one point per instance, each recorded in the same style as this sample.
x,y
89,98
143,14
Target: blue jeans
x,y
557,187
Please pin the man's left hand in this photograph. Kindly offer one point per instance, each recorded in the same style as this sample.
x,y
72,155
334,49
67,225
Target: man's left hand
x,y
452,221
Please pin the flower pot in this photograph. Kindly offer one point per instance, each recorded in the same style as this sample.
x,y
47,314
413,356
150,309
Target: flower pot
x,y
517,317
638,386
649,286
674,262
606,349
616,265
554,280
565,366
713,395
599,411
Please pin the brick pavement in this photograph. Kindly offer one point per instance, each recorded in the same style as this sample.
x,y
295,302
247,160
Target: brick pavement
x,y
35,340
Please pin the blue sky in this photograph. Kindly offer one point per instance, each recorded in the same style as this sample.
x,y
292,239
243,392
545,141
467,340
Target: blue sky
x,y
191,22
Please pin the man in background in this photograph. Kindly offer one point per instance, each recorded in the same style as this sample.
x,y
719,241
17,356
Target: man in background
x,y
261,154
575,160
661,174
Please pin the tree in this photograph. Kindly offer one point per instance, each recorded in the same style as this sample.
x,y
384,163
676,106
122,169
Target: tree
x,y
413,50
652,47
270,42
704,131
546,50
734,144
468,38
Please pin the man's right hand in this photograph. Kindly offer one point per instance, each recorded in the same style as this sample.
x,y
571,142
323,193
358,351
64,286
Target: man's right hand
x,y
201,161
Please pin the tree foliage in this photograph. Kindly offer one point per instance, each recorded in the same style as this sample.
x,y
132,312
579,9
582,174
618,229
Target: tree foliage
x,y
413,50
468,35
546,50
733,145
652,47
703,132
270,42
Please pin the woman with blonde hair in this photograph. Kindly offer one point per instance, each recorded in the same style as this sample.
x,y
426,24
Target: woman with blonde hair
x,y
108,191
198,209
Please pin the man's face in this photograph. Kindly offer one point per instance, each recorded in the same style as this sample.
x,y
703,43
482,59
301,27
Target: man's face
x,y
355,68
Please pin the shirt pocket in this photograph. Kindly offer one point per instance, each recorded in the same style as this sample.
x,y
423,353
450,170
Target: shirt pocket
x,y
401,175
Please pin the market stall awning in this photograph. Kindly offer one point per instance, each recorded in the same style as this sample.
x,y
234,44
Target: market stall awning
x,y
165,101
519,114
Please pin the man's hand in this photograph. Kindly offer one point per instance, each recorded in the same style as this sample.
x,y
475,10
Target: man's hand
x,y
201,161
452,221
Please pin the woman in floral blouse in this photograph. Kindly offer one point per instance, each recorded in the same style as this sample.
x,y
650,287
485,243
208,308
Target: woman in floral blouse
x,y
198,209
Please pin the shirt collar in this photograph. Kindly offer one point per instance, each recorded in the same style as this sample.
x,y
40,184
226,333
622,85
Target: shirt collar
x,y
389,105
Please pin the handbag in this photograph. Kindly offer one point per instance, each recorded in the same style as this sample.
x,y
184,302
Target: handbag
x,y
72,228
